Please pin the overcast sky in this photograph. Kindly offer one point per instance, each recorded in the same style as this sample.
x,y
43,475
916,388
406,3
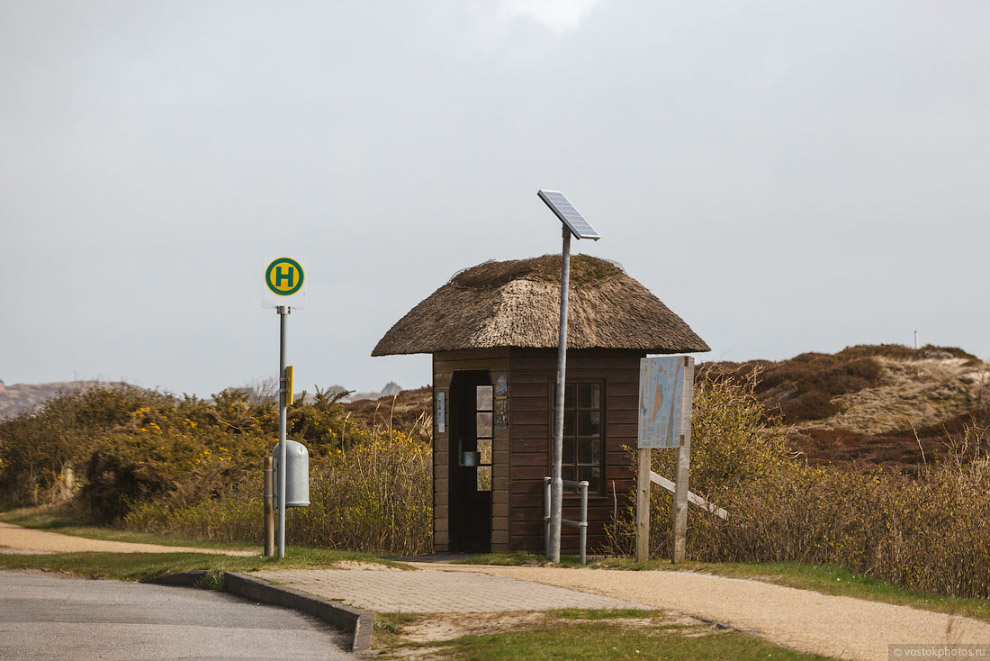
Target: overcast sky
x,y
786,176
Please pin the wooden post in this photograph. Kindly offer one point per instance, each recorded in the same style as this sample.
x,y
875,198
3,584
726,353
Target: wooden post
x,y
643,506
680,504
269,508
682,469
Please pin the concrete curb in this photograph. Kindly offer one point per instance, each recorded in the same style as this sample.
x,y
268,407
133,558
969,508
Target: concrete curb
x,y
187,579
358,623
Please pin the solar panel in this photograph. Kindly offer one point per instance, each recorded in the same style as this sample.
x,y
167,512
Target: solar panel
x,y
568,215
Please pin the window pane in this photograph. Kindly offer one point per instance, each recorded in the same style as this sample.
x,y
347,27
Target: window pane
x,y
593,476
570,422
584,450
596,451
587,395
568,473
568,456
484,424
484,398
569,396
485,448
484,478
589,423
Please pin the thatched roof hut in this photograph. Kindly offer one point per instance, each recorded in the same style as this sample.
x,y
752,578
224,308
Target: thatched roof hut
x,y
516,303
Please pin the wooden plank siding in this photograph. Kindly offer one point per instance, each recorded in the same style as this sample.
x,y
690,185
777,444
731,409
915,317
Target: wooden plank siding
x,y
532,378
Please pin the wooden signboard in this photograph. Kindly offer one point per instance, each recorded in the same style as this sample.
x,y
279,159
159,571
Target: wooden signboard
x,y
666,385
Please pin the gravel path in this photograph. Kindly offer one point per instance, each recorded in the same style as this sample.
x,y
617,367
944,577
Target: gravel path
x,y
842,627
15,539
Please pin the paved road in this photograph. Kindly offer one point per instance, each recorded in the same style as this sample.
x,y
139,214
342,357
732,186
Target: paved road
x,y
50,617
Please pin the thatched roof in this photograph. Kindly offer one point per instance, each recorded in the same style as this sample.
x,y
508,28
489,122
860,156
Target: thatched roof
x,y
517,304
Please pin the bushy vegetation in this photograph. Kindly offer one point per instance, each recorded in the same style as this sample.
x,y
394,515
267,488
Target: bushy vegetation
x,y
927,533
151,461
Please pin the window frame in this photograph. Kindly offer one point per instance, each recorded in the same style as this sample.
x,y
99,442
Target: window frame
x,y
576,409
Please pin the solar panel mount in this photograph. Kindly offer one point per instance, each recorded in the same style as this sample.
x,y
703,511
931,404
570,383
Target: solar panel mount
x,y
571,217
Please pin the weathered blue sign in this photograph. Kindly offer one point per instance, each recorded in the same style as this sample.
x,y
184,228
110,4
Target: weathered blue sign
x,y
665,389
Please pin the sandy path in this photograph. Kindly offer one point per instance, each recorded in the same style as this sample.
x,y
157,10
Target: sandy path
x,y
15,539
842,627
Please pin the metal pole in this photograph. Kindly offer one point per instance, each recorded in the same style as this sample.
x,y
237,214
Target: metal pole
x,y
556,485
283,312
584,521
546,516
269,508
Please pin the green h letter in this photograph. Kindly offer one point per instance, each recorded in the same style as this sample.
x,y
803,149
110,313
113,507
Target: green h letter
x,y
284,272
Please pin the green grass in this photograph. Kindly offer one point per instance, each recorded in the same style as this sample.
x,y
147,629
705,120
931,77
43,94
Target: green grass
x,y
520,559
819,578
137,566
592,634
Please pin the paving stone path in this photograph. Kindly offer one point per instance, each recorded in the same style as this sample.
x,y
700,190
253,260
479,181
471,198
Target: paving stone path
x,y
434,591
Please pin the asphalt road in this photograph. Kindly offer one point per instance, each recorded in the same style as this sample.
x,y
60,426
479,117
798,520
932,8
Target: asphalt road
x,y
46,616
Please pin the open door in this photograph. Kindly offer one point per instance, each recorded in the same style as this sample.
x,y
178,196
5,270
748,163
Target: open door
x,y
470,498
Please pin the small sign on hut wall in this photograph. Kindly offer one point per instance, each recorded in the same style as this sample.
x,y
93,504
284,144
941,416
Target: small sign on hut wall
x,y
665,389
441,412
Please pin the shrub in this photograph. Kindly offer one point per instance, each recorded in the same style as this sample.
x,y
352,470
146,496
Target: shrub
x,y
375,496
926,533
37,449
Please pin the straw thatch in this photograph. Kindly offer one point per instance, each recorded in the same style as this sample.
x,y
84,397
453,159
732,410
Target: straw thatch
x,y
517,304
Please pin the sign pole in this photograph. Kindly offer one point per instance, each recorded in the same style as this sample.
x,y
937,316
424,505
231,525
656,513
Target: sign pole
x,y
679,511
556,482
283,312
643,505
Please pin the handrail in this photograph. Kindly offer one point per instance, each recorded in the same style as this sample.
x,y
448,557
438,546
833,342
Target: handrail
x,y
581,525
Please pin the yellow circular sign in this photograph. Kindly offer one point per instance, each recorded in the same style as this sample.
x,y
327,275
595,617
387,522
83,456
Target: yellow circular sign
x,y
284,276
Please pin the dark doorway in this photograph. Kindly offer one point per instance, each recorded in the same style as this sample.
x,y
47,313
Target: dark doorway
x,y
470,498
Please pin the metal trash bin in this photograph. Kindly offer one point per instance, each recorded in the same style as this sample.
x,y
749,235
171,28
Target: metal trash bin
x,y
296,475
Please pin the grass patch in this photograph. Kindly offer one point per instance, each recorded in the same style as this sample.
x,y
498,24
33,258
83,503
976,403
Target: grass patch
x,y
602,641
593,634
137,566
819,578
518,559
587,614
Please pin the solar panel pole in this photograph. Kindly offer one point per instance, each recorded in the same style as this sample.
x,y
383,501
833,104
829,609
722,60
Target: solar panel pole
x,y
574,223
556,482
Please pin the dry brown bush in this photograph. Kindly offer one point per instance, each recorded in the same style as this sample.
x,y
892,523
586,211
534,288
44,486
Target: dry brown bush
x,y
926,532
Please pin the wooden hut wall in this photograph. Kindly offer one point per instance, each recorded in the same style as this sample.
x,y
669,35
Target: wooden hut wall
x,y
532,378
444,366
